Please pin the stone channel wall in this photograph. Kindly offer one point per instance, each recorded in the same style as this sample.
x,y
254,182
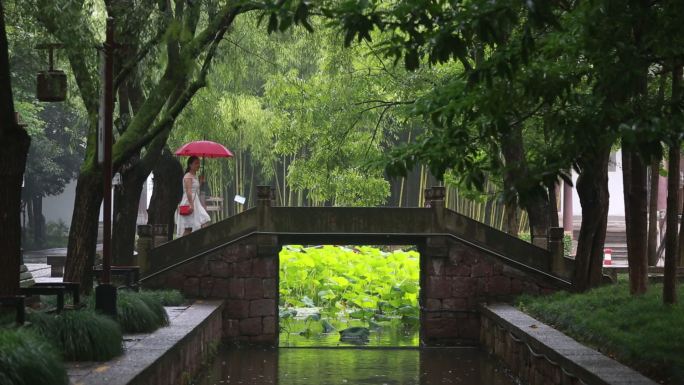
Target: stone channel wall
x,y
168,356
540,355
455,279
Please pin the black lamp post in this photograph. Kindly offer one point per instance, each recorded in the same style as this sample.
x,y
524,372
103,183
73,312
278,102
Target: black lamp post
x,y
105,293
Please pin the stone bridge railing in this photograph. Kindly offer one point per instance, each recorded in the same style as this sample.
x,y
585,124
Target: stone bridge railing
x,y
274,226
463,262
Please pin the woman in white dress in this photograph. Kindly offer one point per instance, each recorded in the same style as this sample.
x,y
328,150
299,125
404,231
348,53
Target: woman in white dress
x,y
198,217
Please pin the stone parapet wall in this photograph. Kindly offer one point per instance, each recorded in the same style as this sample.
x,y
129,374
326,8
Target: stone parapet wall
x,y
540,355
455,279
168,356
246,279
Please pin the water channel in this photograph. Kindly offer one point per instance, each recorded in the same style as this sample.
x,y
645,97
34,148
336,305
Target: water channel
x,y
352,366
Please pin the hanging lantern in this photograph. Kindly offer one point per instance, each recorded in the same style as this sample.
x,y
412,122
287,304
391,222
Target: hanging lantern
x,y
51,85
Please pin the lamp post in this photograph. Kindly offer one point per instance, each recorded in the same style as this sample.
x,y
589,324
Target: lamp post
x,y
105,293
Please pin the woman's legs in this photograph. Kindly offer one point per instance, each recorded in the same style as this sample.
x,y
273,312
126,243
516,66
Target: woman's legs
x,y
187,231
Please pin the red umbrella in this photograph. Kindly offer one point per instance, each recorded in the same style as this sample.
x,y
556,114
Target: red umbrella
x,y
205,149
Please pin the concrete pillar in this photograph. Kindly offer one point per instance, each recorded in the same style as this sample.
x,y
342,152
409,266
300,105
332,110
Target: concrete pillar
x,y
435,196
265,195
555,246
144,245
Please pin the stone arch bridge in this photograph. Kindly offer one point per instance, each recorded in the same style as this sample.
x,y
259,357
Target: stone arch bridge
x,y
462,262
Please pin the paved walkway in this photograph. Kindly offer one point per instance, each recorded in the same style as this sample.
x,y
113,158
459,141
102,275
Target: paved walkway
x,y
79,371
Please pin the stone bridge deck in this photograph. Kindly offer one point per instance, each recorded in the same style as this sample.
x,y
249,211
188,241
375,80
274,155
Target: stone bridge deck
x,y
463,262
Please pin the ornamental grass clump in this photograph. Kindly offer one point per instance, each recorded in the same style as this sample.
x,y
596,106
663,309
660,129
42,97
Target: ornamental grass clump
x,y
81,335
166,297
27,359
140,312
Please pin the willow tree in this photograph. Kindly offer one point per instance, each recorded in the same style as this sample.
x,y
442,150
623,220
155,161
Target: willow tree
x,y
178,41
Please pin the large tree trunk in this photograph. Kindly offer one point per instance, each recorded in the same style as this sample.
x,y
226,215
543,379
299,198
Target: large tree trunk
x,y
634,187
535,200
553,205
511,219
126,202
167,191
15,144
671,244
653,214
592,188
672,210
83,231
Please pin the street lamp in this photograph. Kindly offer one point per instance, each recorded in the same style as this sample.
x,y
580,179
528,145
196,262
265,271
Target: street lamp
x,y
105,292
51,85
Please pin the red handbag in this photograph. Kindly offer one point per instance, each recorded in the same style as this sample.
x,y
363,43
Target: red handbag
x,y
184,210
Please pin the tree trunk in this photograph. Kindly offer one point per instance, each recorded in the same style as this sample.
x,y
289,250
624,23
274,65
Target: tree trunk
x,y
672,210
553,205
534,200
84,230
126,202
37,220
512,221
15,142
635,196
592,188
167,191
671,244
653,214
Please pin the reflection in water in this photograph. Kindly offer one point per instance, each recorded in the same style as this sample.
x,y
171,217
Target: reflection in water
x,y
467,366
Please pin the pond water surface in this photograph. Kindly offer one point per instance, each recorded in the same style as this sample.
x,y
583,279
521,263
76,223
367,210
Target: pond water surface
x,y
351,366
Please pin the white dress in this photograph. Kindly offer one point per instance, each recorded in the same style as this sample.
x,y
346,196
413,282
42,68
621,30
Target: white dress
x,y
199,215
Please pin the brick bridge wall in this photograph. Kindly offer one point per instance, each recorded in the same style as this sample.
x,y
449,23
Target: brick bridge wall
x,y
455,278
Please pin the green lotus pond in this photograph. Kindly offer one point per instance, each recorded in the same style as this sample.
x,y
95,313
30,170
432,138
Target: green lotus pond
x,y
345,296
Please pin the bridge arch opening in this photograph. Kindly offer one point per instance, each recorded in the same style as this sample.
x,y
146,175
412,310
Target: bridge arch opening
x,y
349,295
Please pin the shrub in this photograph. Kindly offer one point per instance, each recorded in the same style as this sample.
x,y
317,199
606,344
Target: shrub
x,y
26,359
155,304
81,335
166,297
136,315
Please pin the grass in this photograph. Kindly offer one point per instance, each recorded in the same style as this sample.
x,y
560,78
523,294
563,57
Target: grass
x,y
26,359
140,312
166,297
638,331
81,335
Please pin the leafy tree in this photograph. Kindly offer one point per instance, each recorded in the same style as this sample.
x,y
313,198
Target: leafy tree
x,y
170,45
12,163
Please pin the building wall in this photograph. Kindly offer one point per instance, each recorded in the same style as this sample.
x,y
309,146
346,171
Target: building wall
x,y
60,207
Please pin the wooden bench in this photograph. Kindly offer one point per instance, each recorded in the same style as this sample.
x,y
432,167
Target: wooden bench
x,y
131,274
56,263
57,289
17,302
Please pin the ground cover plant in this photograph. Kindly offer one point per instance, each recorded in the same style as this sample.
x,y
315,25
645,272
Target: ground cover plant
x,y
639,331
140,312
80,335
27,359
329,288
166,297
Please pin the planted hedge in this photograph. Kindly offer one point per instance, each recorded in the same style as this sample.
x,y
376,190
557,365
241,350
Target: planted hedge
x,y
28,359
81,335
